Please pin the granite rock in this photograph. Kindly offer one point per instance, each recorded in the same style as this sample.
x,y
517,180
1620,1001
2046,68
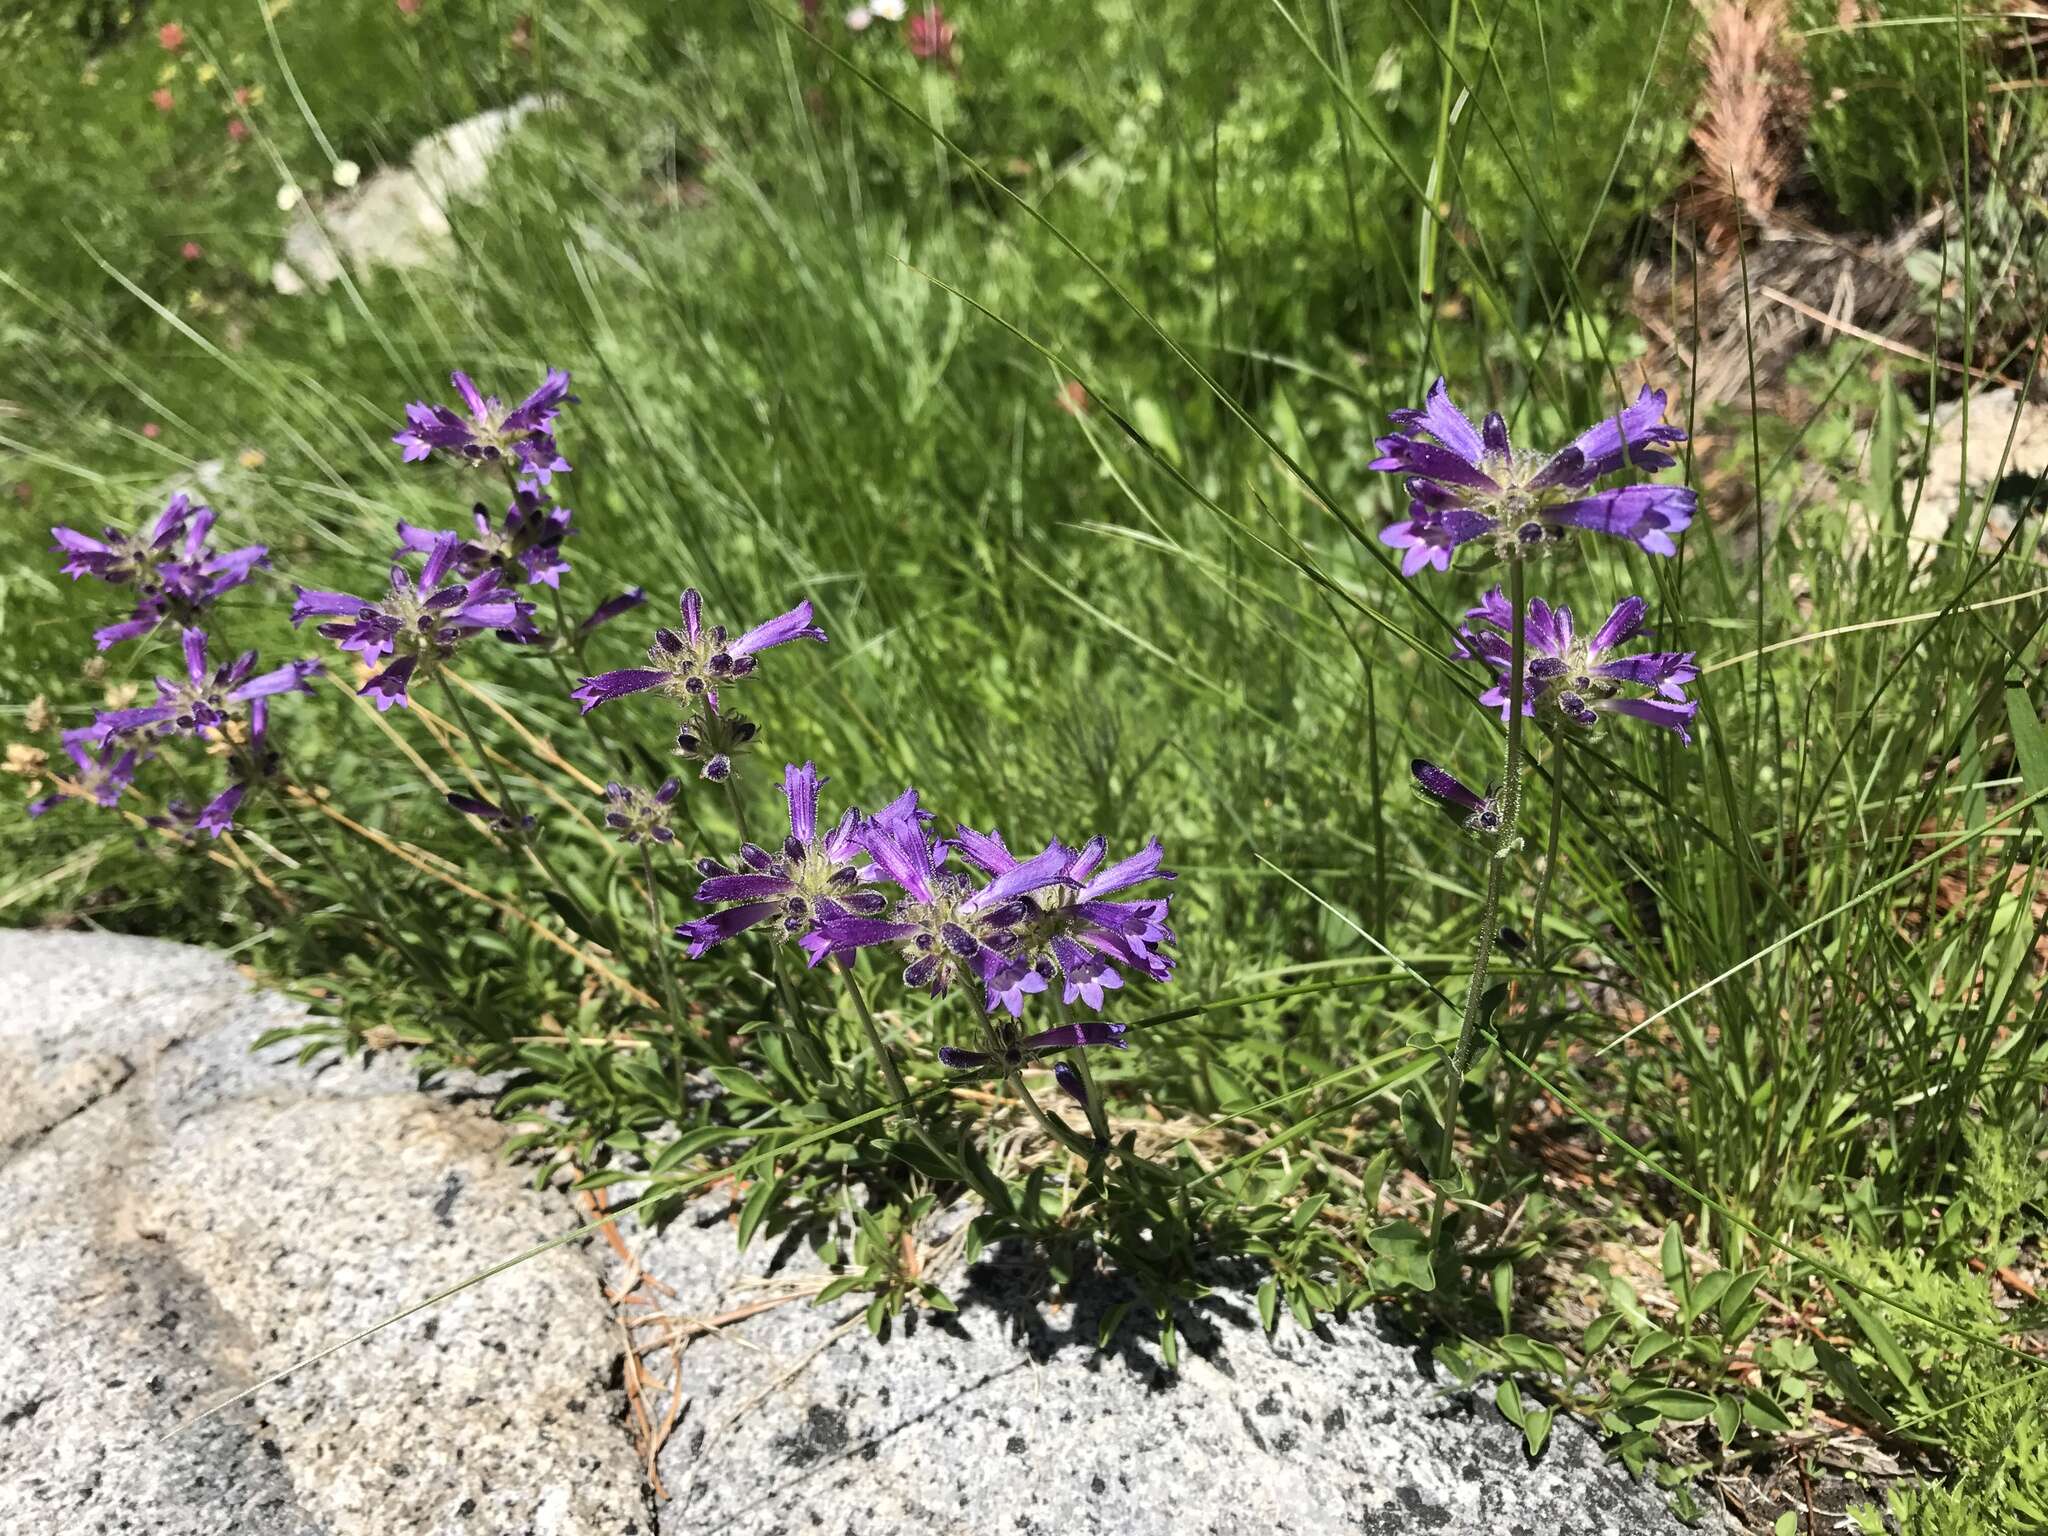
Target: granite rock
x,y
1005,1418
184,1217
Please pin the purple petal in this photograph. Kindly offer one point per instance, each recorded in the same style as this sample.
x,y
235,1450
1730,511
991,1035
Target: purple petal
x,y
1624,624
745,888
1409,455
720,926
1136,870
800,789
1443,421
611,608
606,686
1647,514
963,1061
1629,440
1443,786
1069,1036
1661,712
388,688
793,625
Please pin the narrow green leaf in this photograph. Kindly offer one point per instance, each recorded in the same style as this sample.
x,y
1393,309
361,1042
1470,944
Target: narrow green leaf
x,y
1269,1303
1677,1404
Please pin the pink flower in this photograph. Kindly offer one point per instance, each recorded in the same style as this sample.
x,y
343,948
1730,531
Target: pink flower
x,y
152,431
237,129
170,36
409,7
930,36
243,95
191,250
1073,398
163,98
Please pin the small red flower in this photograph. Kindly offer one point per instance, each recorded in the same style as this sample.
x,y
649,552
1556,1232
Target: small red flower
x,y
1073,398
237,129
243,95
930,36
191,250
163,98
152,431
170,36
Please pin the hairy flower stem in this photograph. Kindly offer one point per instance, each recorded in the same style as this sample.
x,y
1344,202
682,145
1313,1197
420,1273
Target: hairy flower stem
x,y
1053,1125
1560,768
660,934
1490,907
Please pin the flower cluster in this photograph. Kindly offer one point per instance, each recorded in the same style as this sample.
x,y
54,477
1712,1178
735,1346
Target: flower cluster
x,y
1467,484
690,668
169,566
420,622
526,546
1014,925
520,439
638,816
1470,484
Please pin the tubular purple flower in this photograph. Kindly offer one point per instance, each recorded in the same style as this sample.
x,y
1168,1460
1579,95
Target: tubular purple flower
x,y
691,667
492,434
174,573
611,608
420,623
1472,812
944,924
812,879
1467,484
102,773
204,699
1571,681
526,546
638,816
486,812
1072,931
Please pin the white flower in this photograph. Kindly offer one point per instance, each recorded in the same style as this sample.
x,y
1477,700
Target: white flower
x,y
886,10
858,18
347,173
287,198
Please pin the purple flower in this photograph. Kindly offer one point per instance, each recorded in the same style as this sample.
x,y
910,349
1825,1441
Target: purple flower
x,y
1072,931
103,773
944,924
638,816
1474,813
714,741
173,572
1468,483
611,608
204,699
487,813
814,878
1015,1051
1573,681
692,666
526,547
522,437
420,623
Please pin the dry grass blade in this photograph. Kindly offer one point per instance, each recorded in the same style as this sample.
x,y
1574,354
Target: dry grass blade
x,y
1752,121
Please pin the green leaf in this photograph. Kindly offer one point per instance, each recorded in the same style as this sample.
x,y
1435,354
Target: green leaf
x,y
1649,1347
1424,1131
1727,1418
1504,1294
1269,1303
1710,1289
1111,1321
1764,1413
1507,1397
1731,1305
1849,1384
1883,1343
2030,745
1406,1257
1672,1258
1677,1404
1536,1428
759,1198
1599,1331
1169,1344
1786,1524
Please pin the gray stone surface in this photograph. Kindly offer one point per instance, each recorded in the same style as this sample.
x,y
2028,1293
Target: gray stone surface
x,y
1004,1418
183,1217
